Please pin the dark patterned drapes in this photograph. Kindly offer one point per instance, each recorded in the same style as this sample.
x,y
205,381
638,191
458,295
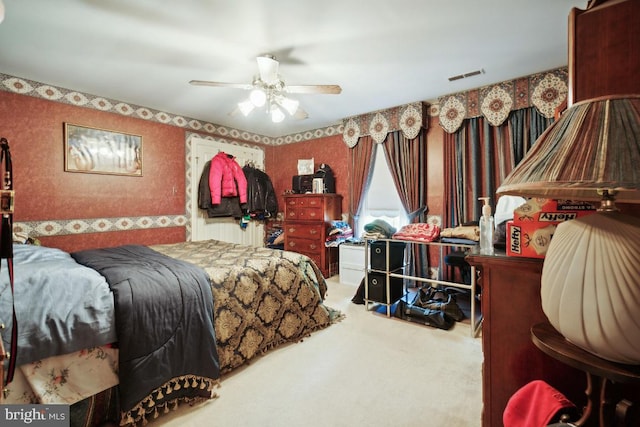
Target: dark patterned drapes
x,y
479,156
407,160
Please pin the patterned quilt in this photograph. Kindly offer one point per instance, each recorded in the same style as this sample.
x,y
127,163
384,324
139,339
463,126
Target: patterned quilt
x,y
262,297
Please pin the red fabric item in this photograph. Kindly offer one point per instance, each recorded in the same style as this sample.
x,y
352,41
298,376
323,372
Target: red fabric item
x,y
534,405
422,232
225,172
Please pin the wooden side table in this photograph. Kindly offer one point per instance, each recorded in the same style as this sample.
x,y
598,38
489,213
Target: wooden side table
x,y
617,387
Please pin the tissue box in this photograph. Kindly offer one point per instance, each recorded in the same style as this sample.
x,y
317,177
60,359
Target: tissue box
x,y
529,239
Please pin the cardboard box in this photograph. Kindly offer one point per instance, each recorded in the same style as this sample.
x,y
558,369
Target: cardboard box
x,y
535,221
551,211
529,239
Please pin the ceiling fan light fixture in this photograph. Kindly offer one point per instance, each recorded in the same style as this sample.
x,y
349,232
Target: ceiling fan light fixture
x,y
258,97
291,105
276,114
267,91
268,67
246,107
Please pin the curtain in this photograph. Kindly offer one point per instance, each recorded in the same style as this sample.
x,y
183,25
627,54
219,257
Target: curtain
x,y
407,160
479,156
360,158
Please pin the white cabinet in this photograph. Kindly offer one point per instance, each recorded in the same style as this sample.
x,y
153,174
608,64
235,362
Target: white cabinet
x,y
351,263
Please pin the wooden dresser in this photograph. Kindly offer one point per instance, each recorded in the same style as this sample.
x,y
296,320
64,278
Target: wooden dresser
x,y
306,223
511,305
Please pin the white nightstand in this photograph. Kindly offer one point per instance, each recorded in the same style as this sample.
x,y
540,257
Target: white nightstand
x,y
351,263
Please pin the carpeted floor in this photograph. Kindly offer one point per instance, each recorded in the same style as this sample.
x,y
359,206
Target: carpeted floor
x,y
367,370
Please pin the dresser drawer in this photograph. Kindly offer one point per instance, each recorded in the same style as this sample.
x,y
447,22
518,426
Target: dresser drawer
x,y
351,263
350,276
306,217
308,208
313,232
305,246
307,201
305,214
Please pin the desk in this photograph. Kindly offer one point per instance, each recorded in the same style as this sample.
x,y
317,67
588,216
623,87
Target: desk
x,y
475,319
613,410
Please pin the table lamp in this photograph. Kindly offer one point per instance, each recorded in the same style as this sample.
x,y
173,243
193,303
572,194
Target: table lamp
x,y
590,287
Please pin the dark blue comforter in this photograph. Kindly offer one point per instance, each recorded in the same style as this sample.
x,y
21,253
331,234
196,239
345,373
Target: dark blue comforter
x,y
164,325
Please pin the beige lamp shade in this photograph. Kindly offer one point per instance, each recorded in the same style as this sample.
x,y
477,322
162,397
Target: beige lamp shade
x,y
590,289
595,145
591,285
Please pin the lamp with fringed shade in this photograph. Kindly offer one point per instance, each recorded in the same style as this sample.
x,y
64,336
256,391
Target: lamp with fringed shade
x,y
590,288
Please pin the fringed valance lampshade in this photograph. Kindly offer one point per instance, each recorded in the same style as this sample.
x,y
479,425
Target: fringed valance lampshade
x,y
591,274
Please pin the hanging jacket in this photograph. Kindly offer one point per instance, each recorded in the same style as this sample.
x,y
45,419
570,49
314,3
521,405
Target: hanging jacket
x,y
261,197
228,206
226,179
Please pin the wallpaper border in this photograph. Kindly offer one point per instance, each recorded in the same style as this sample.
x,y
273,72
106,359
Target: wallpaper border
x,y
49,92
96,225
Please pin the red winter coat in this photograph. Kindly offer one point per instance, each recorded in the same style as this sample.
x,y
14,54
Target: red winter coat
x,y
224,174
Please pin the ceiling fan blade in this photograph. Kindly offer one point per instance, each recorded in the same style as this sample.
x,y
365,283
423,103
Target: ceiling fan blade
x,y
324,89
268,68
221,84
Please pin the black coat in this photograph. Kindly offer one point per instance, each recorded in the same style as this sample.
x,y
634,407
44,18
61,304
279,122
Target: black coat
x,y
261,197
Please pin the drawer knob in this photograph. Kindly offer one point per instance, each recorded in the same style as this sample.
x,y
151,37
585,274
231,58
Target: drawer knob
x,y
313,231
312,246
292,244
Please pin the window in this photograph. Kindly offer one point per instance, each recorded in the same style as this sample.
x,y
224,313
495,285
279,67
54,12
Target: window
x,y
381,200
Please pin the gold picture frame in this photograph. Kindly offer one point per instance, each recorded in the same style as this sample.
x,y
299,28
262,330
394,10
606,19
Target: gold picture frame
x,y
101,151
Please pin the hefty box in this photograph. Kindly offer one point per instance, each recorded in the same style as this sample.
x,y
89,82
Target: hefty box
x,y
535,221
529,239
550,210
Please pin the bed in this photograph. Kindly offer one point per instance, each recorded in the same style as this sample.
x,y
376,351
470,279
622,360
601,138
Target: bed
x,y
252,300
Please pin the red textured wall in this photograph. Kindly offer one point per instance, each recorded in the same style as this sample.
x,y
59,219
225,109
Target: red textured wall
x,y
150,236
281,164
35,129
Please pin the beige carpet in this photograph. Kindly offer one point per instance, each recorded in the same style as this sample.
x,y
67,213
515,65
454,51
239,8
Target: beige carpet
x,y
367,370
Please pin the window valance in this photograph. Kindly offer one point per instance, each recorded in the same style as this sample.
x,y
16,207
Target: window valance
x,y
409,118
546,91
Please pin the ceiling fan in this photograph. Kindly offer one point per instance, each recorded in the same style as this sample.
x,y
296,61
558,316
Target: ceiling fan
x,y
268,89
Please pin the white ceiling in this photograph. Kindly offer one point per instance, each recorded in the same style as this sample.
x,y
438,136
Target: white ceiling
x,y
382,53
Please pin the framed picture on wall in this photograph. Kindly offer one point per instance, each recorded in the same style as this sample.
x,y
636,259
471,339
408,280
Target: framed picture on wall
x,y
92,150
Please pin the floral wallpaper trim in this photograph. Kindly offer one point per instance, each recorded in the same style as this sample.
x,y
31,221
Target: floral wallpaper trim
x,y
409,118
66,96
546,91
96,225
